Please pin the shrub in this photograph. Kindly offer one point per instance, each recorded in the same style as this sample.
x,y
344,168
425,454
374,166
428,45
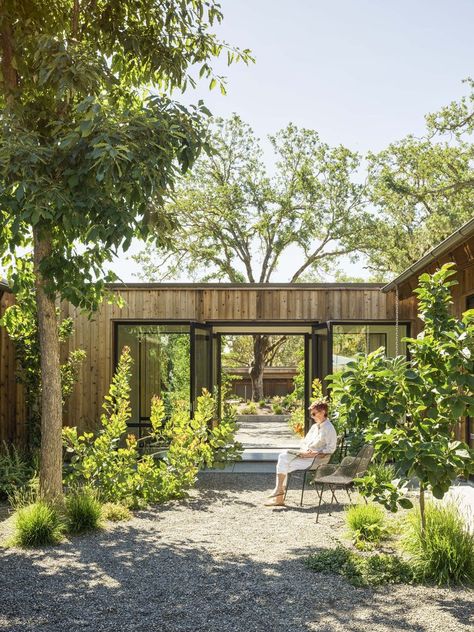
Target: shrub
x,y
249,409
83,510
262,403
38,524
115,512
277,409
373,570
444,553
99,461
16,469
122,474
383,473
366,524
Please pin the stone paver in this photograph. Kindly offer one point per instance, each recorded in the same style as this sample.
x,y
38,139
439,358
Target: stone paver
x,y
266,432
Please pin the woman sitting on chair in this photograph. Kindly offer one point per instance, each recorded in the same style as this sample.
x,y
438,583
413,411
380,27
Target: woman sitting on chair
x,y
319,443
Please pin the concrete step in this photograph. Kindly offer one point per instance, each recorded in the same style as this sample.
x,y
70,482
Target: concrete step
x,y
260,455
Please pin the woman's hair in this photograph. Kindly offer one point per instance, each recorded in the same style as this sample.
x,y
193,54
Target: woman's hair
x,y
320,405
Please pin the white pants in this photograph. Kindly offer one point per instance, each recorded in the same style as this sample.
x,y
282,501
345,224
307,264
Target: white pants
x,y
291,463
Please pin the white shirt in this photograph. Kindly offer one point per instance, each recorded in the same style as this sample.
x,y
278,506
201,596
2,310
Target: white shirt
x,y
320,438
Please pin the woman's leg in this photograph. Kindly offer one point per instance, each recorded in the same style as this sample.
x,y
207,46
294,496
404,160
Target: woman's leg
x,y
281,473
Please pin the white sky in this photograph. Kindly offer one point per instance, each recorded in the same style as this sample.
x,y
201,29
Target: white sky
x,y
361,72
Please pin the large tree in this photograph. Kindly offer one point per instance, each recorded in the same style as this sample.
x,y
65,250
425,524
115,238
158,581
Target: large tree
x,y
88,139
238,223
422,188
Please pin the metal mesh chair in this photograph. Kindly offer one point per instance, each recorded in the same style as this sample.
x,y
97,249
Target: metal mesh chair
x,y
342,476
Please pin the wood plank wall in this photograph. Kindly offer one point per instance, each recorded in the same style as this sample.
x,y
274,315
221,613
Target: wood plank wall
x,y
12,407
463,257
242,303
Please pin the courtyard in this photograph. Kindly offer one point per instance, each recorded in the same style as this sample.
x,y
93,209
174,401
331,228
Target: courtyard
x,y
218,561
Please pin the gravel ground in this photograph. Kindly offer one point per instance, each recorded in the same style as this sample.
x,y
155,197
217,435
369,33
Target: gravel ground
x,y
218,561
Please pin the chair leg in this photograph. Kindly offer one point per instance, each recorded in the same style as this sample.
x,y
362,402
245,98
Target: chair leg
x,y
348,493
302,489
320,499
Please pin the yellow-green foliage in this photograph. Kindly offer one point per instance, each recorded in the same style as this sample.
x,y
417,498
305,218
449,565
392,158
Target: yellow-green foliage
x,y
115,512
366,524
296,421
111,461
107,461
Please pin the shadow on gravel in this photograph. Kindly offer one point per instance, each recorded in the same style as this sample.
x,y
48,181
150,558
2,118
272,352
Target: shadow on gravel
x,y
128,580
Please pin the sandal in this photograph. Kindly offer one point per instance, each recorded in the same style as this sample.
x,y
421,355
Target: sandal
x,y
273,503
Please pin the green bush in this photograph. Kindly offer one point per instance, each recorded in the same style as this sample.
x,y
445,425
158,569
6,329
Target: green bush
x,y
262,403
444,553
38,524
277,409
115,512
383,473
16,469
83,510
366,524
111,461
249,409
373,570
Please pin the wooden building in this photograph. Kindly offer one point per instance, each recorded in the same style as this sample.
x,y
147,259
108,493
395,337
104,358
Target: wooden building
x,y
155,314
459,249
192,318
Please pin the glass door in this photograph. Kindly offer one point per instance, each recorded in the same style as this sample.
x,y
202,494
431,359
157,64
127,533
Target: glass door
x,y
201,361
322,357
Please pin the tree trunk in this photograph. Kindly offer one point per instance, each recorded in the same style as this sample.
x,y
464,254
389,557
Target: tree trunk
x,y
260,346
51,486
422,509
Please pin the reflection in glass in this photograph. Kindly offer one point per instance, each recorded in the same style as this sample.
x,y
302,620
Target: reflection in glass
x,y
349,340
160,355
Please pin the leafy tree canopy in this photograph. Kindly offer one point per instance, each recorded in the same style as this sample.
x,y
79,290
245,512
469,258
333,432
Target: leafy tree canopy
x,y
422,188
236,221
85,144
282,351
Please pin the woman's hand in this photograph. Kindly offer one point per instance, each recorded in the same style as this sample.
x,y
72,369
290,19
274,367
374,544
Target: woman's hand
x,y
307,455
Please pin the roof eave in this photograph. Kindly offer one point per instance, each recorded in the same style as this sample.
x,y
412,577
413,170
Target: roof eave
x,y
452,240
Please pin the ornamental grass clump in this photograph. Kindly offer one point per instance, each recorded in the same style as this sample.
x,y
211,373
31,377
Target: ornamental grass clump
x,y
442,552
116,512
366,524
16,470
83,510
39,524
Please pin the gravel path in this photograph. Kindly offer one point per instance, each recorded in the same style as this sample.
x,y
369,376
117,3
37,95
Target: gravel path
x,y
218,561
